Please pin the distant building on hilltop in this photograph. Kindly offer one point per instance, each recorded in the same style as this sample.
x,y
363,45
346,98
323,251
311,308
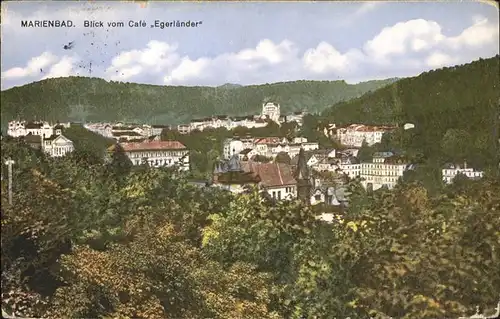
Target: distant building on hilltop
x,y
355,134
452,170
271,110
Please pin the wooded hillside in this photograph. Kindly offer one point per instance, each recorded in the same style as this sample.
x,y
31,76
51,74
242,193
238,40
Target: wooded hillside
x,y
455,111
93,99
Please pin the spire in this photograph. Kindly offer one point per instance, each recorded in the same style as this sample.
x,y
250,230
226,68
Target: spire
x,y
302,172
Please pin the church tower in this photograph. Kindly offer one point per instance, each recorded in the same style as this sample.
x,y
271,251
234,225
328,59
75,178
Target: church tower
x,y
303,179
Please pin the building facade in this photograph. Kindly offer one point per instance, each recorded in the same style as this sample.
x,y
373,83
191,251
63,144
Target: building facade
x,y
354,135
451,171
40,128
57,145
156,153
271,111
275,179
269,146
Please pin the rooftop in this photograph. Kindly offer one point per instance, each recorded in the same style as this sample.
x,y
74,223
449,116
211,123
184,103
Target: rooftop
x,y
271,174
151,146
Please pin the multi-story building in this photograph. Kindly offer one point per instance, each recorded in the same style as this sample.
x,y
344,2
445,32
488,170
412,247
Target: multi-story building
x,y
23,128
271,111
156,153
268,146
355,134
184,128
451,171
104,129
127,136
233,146
384,170
120,131
57,145
229,123
350,166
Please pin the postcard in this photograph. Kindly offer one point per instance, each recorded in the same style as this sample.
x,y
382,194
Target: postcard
x,y
241,159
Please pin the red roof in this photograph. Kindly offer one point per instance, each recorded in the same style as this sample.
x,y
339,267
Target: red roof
x,y
153,146
271,174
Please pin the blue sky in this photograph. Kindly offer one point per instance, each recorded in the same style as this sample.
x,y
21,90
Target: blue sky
x,y
246,42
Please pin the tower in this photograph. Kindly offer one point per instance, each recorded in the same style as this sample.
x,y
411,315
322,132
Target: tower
x,y
302,177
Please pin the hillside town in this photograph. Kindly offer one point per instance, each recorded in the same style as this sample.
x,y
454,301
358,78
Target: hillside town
x,y
253,160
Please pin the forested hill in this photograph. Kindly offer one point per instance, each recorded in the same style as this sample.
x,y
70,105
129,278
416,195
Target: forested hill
x,y
455,106
92,99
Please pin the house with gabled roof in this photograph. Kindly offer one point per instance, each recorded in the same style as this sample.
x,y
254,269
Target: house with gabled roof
x,y
57,145
276,179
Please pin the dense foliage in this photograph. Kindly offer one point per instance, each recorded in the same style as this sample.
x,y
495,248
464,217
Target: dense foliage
x,y
93,99
455,111
82,241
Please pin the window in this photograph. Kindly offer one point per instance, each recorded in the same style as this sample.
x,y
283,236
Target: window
x,y
279,194
274,194
317,197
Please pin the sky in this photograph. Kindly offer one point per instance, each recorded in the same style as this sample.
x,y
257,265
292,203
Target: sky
x,y
244,42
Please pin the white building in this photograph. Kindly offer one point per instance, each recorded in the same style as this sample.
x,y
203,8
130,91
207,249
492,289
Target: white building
x,y
57,145
104,129
451,171
233,146
271,111
349,166
226,122
385,169
40,128
355,134
156,153
183,128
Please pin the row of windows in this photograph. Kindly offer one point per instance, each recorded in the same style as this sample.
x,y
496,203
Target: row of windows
x,y
156,154
384,173
377,179
158,162
288,191
59,151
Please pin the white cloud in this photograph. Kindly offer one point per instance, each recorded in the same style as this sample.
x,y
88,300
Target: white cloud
x,y
481,33
32,68
232,66
325,59
404,49
413,35
65,67
156,57
188,69
439,59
